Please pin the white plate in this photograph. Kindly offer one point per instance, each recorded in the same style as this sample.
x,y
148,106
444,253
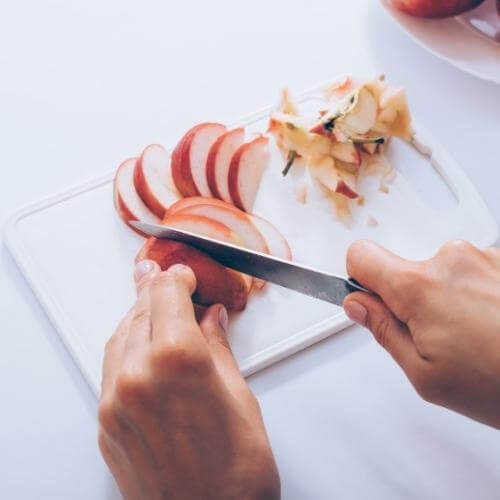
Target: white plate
x,y
456,41
78,255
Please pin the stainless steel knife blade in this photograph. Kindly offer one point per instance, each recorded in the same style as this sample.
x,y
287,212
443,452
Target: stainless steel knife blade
x,y
312,282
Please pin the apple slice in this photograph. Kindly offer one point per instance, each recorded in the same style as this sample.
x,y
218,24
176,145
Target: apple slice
x,y
190,156
219,160
324,170
153,179
361,116
345,151
245,172
204,226
236,220
128,203
215,284
197,200
276,242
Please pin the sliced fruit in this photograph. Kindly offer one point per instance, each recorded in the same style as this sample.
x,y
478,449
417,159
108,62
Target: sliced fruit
x,y
370,148
324,170
276,242
127,202
361,116
245,172
153,179
394,115
345,151
215,284
236,220
198,200
204,226
190,156
219,160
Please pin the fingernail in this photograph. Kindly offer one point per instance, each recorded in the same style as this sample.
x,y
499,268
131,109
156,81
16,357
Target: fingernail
x,y
142,268
223,318
356,312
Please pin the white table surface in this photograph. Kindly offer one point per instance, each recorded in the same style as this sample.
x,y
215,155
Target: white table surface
x,y
85,84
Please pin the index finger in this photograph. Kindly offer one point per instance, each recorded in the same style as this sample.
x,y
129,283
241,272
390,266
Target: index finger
x,y
172,311
391,277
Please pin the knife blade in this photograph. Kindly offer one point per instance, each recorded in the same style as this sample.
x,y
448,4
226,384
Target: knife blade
x,y
303,279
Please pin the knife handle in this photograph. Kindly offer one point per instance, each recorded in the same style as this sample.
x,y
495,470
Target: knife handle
x,y
354,286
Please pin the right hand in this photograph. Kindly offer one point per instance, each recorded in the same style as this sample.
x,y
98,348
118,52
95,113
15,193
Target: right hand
x,y
439,319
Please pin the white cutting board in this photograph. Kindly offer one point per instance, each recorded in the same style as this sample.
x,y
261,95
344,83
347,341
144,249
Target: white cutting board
x,y
78,255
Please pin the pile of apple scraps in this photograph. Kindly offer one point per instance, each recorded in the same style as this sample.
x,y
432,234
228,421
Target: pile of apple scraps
x,y
346,140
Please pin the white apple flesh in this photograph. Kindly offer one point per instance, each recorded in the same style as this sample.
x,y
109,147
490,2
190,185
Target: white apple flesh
x,y
128,203
153,179
219,160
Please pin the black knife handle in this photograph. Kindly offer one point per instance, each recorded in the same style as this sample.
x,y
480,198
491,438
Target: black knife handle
x,y
354,286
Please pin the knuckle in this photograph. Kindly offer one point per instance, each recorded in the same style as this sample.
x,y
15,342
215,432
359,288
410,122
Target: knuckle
x,y
410,281
179,360
106,416
456,251
141,316
410,288
131,388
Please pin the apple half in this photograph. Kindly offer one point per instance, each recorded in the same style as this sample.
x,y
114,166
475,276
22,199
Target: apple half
x,y
215,284
189,159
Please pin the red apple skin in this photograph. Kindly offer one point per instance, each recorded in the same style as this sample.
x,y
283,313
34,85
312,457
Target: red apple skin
x,y
435,8
215,284
121,206
181,161
344,189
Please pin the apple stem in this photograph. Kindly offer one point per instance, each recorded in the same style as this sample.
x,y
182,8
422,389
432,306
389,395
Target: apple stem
x,y
291,158
377,140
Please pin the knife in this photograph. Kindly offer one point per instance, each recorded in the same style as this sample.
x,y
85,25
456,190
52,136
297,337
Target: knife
x,y
318,284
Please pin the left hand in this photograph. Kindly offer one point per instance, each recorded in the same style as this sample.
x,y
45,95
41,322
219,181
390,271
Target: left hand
x,y
177,419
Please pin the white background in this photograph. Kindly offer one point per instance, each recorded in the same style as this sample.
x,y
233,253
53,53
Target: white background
x,y
85,84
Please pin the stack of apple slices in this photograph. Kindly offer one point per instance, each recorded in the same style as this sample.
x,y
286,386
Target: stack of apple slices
x,y
208,161
353,128
213,161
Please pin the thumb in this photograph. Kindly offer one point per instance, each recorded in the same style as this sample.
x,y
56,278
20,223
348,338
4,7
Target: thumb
x,y
214,324
393,335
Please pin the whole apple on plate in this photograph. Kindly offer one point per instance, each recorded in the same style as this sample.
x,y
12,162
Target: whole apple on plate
x,y
435,8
